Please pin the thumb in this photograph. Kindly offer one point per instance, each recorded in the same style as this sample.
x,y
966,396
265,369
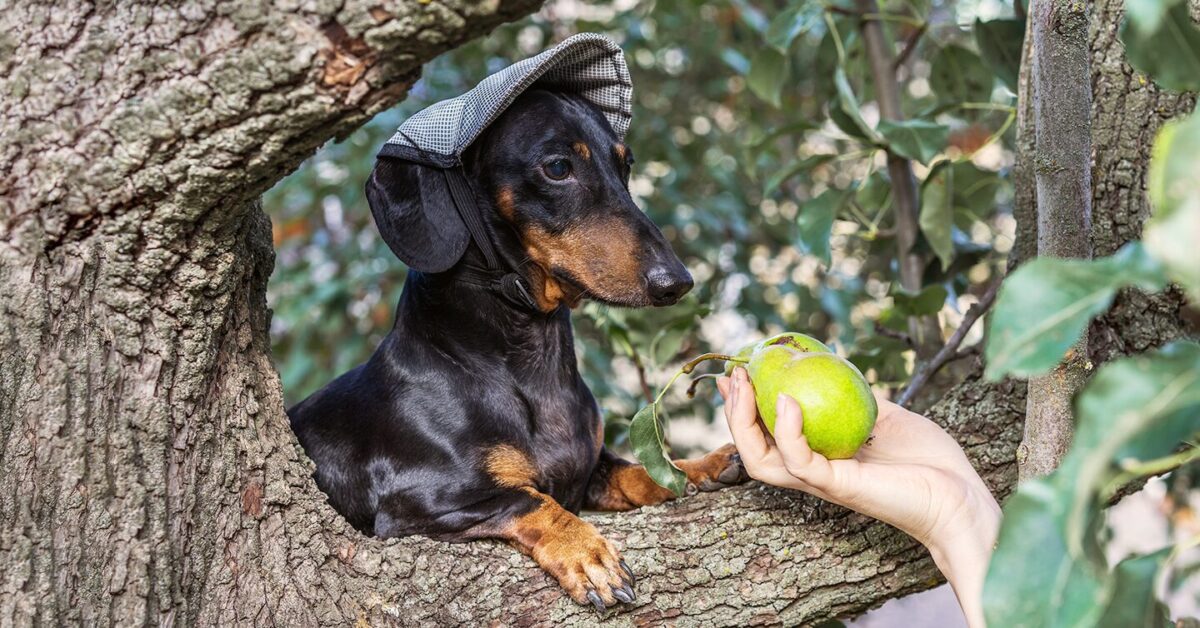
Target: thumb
x,y
798,458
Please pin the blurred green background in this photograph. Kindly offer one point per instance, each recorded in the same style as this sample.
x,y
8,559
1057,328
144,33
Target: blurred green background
x,y
738,125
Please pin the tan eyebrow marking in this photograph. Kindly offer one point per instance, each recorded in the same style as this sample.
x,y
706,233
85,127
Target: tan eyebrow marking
x,y
621,151
583,150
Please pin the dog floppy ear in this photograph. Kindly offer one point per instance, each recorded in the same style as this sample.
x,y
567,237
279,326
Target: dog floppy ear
x,y
415,214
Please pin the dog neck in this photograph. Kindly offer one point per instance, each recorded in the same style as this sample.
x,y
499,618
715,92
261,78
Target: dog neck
x,y
460,316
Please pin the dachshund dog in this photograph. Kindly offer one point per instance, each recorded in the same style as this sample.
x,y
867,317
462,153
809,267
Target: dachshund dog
x,y
471,420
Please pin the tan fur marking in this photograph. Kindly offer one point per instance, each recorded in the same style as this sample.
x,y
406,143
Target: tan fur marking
x,y
506,204
510,467
630,486
601,254
621,151
583,150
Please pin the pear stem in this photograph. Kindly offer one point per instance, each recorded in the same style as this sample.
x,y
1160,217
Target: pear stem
x,y
691,365
691,391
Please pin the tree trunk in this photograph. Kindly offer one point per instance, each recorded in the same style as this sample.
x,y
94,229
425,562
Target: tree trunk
x,y
147,470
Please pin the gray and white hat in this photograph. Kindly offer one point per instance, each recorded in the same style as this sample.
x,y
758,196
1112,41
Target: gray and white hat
x,y
587,64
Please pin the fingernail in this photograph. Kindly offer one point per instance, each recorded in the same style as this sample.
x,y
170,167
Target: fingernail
x,y
733,393
780,405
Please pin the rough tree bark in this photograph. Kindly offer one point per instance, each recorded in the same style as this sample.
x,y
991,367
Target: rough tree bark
x,y
1061,98
147,471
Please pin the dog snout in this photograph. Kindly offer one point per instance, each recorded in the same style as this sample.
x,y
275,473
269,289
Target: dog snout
x,y
667,284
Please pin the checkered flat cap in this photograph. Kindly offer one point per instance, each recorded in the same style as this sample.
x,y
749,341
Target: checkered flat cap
x,y
587,64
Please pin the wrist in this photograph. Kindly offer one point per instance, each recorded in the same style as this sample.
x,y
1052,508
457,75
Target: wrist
x,y
962,554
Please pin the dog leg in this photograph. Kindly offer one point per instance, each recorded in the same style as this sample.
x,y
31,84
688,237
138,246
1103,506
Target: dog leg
x,y
587,565
621,485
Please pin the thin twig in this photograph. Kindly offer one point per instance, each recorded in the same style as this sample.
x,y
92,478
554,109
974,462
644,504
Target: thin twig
x,y
893,334
910,44
647,392
950,352
832,8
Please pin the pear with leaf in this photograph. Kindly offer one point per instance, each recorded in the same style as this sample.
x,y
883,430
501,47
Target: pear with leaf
x,y
838,408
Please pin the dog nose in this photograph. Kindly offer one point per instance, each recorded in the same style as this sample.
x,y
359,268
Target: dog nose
x,y
667,285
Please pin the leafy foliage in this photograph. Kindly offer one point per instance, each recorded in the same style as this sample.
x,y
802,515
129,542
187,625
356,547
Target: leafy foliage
x,y
1045,305
1137,417
959,75
999,44
1172,232
1133,411
1161,41
920,140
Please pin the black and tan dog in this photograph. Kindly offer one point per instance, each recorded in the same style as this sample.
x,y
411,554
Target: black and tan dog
x,y
471,420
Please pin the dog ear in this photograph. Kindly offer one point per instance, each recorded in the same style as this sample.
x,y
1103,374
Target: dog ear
x,y
415,214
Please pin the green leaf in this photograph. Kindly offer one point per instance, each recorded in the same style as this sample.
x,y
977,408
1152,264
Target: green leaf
x,y
1000,43
1139,408
790,23
959,75
928,301
1172,231
974,191
768,73
668,341
816,223
1044,306
1133,409
1164,46
921,140
1133,603
874,194
1147,15
803,165
649,445
1032,580
937,213
848,109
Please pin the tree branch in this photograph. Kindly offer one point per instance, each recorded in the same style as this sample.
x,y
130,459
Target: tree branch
x,y
1062,109
910,45
888,332
787,557
924,330
950,352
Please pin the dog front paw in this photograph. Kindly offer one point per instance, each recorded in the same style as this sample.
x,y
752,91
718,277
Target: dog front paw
x,y
718,469
587,565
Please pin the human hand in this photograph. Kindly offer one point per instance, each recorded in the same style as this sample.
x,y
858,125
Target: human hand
x,y
910,474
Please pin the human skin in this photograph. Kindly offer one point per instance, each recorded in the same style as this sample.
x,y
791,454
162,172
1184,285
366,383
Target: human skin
x,y
910,474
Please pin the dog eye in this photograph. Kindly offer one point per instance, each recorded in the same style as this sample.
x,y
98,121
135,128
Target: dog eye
x,y
558,169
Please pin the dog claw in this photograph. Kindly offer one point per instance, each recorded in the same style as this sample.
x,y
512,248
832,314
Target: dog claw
x,y
620,594
627,591
629,572
594,598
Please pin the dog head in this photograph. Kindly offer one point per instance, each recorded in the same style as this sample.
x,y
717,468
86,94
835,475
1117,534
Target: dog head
x,y
555,178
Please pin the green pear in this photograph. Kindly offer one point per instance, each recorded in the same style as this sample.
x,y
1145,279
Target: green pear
x,y
835,400
795,340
